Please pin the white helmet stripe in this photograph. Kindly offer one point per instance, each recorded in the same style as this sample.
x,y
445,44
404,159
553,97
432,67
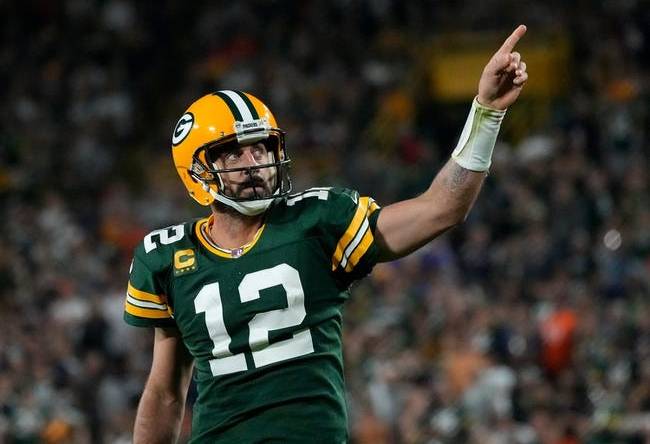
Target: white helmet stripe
x,y
240,104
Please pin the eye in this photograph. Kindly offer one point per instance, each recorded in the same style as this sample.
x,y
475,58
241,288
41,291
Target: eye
x,y
230,158
259,151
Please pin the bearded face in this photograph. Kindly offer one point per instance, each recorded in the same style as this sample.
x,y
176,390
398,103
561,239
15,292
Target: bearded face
x,y
248,180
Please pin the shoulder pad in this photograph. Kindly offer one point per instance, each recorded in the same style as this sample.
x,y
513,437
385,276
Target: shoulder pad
x,y
156,249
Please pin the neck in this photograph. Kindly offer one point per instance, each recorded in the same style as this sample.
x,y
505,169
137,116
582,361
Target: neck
x,y
233,230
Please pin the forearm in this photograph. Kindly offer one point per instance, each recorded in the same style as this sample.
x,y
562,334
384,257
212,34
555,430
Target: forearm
x,y
406,226
453,193
163,400
159,417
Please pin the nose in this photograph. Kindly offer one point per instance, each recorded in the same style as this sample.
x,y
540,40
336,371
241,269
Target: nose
x,y
248,157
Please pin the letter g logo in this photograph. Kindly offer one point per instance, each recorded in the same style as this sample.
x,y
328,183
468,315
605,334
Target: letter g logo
x,y
183,128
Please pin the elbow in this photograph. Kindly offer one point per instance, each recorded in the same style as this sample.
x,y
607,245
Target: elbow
x,y
449,213
455,218
163,396
444,221
462,216
452,224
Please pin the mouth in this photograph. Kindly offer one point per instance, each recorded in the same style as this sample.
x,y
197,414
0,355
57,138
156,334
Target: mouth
x,y
251,189
254,187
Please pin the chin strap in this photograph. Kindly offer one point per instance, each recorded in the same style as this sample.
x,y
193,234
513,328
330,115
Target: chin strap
x,y
249,208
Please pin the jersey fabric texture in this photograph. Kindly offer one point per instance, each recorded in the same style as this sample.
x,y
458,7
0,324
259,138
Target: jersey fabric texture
x,y
263,323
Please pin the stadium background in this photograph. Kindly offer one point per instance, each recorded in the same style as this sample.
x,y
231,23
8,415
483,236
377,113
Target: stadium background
x,y
529,324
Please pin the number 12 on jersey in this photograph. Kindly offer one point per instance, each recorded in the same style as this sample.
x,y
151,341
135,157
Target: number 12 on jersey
x,y
208,301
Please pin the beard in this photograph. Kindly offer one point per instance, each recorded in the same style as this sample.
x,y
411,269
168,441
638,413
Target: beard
x,y
253,187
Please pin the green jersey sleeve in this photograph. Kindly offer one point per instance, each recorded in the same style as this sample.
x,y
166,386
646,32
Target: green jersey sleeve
x,y
350,221
146,302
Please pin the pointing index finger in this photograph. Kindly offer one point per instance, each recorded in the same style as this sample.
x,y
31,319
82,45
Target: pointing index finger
x,y
511,41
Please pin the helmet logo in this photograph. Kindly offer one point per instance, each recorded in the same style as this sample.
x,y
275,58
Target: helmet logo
x,y
252,131
183,128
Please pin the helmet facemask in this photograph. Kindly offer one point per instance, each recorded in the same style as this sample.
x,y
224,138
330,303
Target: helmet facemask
x,y
207,169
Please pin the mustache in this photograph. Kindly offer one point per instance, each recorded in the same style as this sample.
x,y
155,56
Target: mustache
x,y
253,181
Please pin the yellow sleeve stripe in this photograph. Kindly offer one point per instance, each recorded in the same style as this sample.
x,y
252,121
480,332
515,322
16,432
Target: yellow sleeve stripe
x,y
144,304
365,227
361,249
146,312
357,220
144,296
372,207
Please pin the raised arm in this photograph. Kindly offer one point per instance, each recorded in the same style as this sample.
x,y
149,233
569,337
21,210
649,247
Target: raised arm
x,y
405,226
163,401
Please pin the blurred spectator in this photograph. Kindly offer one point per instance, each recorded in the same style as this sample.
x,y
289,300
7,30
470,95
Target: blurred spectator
x,y
530,324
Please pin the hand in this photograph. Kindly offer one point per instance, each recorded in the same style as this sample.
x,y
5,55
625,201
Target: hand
x,y
504,75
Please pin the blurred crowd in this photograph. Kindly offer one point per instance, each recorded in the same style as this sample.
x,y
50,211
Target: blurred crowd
x,y
528,324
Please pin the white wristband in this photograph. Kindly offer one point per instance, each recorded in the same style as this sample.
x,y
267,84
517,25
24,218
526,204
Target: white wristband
x,y
476,143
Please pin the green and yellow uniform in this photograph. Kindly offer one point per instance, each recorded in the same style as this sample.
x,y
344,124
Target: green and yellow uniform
x,y
263,323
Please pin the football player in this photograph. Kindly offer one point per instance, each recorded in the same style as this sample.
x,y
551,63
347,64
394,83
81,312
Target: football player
x,y
251,296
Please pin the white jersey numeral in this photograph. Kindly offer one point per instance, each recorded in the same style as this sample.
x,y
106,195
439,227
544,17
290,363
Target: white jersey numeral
x,y
320,193
208,301
166,236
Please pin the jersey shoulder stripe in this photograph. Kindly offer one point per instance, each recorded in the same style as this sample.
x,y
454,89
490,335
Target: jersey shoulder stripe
x,y
147,313
357,238
145,296
146,305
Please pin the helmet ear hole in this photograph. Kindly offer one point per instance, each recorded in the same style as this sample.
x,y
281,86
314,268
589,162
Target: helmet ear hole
x,y
192,177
